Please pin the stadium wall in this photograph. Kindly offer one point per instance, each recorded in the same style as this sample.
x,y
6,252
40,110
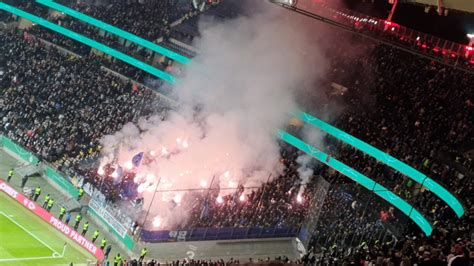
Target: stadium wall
x,y
17,151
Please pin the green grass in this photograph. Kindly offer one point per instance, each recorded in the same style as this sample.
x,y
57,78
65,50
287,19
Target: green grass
x,y
27,240
28,245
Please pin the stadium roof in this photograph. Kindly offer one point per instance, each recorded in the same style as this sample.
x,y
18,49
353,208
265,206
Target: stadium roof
x,y
462,5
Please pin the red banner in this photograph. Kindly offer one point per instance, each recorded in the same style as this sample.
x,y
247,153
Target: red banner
x,y
53,221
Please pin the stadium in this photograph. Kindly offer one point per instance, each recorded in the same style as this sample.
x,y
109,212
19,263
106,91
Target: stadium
x,y
228,132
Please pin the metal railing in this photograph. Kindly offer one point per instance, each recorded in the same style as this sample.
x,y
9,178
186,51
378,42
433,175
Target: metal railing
x,y
225,233
446,51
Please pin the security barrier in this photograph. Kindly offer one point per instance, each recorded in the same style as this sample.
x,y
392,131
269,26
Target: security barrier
x,y
113,225
226,233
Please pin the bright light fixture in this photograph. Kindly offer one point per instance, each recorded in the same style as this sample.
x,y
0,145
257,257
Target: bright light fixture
x,y
285,2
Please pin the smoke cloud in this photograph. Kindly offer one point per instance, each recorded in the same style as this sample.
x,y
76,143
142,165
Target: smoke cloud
x,y
233,97
306,163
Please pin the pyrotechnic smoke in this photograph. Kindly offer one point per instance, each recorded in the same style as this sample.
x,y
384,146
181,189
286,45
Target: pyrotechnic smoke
x,y
234,96
306,163
304,170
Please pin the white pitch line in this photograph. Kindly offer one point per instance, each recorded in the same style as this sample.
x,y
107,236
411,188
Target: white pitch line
x,y
30,233
31,258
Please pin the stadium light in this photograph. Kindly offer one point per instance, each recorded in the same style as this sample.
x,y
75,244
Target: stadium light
x,y
219,199
285,2
470,35
242,197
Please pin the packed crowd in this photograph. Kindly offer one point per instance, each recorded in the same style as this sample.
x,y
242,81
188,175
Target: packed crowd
x,y
405,253
281,260
436,92
420,98
98,102
129,19
281,204
93,33
105,13
420,112
148,20
274,204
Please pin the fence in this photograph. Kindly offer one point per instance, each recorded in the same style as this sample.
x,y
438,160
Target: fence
x,y
315,206
114,226
226,233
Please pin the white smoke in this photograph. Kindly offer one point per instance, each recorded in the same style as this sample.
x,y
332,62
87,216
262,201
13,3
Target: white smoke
x,y
233,97
304,170
306,163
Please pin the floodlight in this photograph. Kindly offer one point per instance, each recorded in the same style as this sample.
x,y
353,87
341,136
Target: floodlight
x,y
285,2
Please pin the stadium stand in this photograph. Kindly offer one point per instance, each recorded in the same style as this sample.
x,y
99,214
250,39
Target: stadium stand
x,y
34,133
150,20
50,111
418,110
